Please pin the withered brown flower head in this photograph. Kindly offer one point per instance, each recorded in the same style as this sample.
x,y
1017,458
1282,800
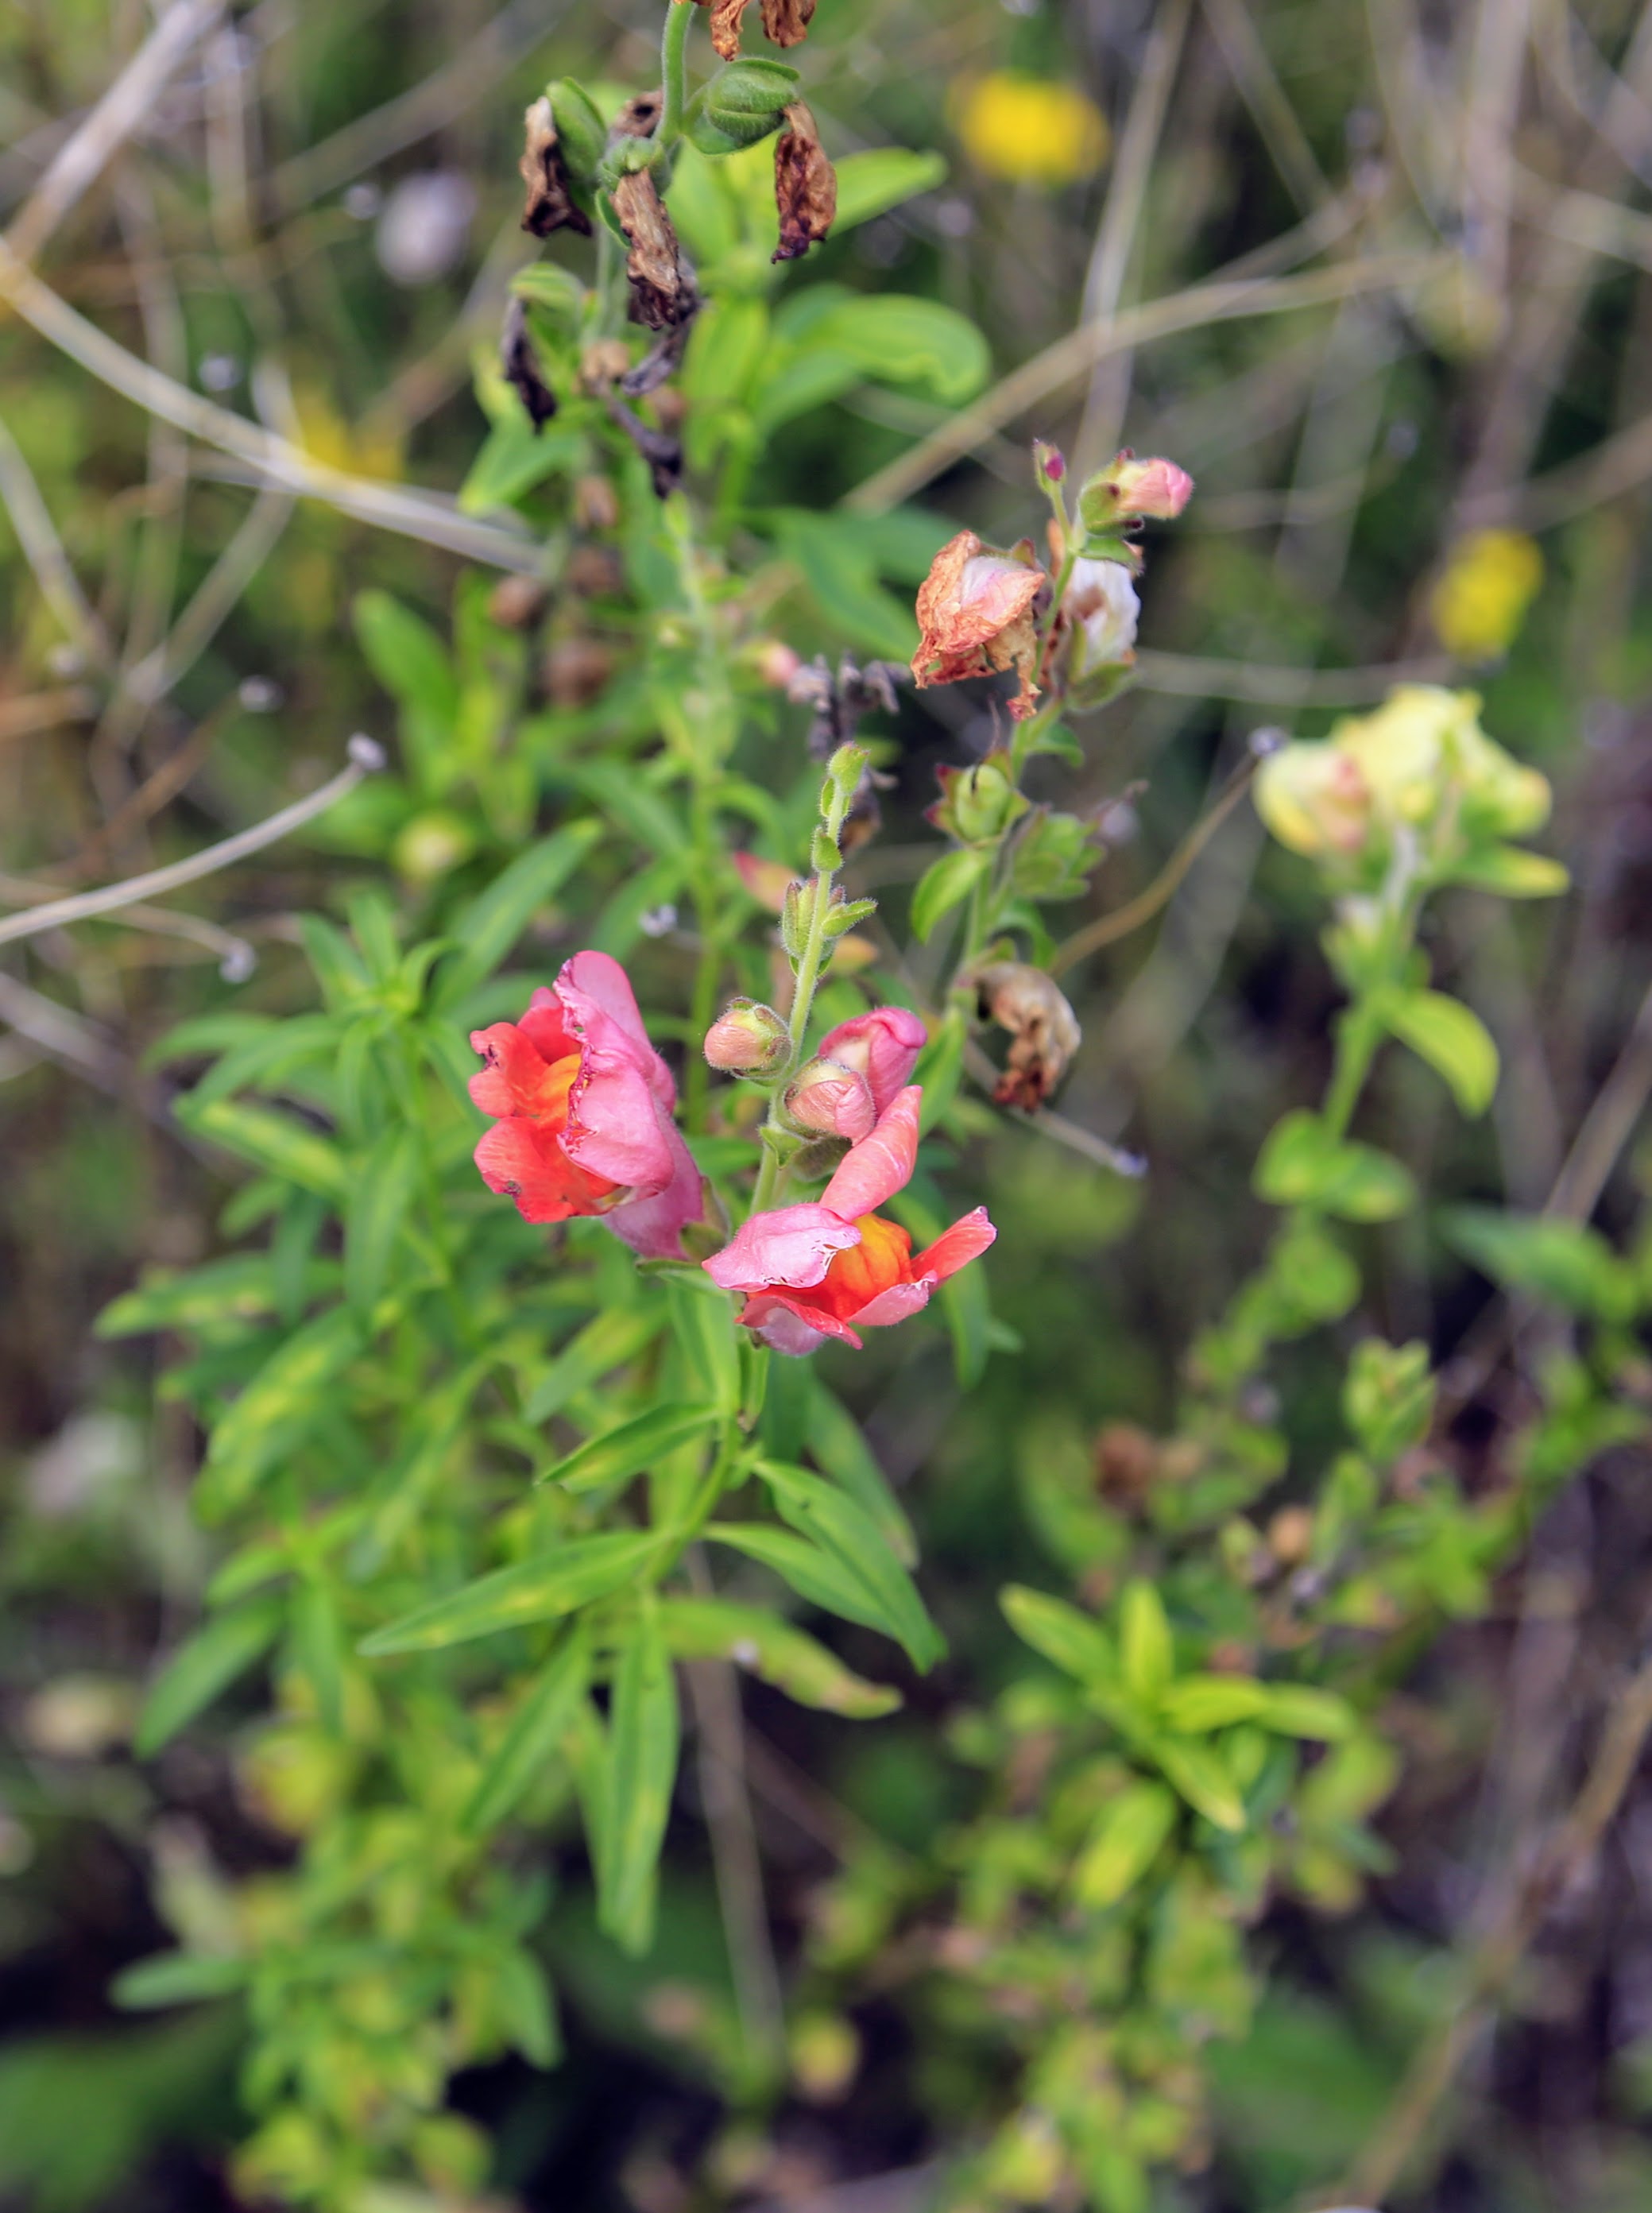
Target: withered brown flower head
x,y
975,612
661,282
805,184
550,205
784,22
1044,1032
787,22
640,116
519,359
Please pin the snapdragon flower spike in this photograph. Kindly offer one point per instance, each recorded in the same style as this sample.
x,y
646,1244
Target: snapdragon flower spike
x,y
834,1266
582,1112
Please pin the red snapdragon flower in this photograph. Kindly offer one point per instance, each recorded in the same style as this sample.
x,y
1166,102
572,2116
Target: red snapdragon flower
x,y
829,1267
582,1106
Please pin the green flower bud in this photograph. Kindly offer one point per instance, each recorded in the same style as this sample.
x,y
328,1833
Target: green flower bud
x,y
580,129
978,804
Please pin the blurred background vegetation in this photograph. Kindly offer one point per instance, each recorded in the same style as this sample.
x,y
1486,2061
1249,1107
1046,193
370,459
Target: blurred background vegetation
x,y
1421,444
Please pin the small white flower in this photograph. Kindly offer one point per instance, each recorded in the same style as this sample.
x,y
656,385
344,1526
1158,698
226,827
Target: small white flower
x,y
1102,606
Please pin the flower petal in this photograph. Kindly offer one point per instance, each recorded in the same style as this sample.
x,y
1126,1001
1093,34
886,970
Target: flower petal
x,y
955,1248
526,1163
594,984
896,1304
653,1226
792,1326
875,1170
788,1245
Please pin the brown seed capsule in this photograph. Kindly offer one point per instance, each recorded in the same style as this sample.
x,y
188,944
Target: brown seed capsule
x,y
661,282
550,205
1126,1460
516,602
805,184
596,504
576,672
1042,1029
519,359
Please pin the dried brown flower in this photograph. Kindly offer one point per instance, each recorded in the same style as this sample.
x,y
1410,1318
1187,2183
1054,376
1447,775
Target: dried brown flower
x,y
519,357
1044,1032
639,118
787,22
805,184
516,602
596,504
784,22
661,281
550,205
975,612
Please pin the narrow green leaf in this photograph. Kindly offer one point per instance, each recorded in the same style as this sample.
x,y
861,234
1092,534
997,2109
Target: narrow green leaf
x,y
280,1407
1069,1640
817,1576
946,884
169,1979
609,1342
1511,872
1545,1256
1200,1703
236,1290
880,178
535,1731
382,1192
318,1648
819,1510
836,1439
711,1629
489,926
1146,1653
1452,1039
1299,1710
701,1323
633,1446
203,1665
643,1738
1124,1844
522,1991
1200,1774
583,1569
274,1142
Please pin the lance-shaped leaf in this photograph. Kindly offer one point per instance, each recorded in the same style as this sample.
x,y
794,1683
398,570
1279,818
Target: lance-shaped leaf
x,y
1201,1776
204,1665
711,1629
819,1510
1123,1844
558,1583
535,1732
615,1337
816,1575
632,1447
641,1769
1069,1640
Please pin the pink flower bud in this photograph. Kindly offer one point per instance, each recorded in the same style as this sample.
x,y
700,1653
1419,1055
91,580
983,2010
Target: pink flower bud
x,y
1050,461
833,1099
1156,488
748,1038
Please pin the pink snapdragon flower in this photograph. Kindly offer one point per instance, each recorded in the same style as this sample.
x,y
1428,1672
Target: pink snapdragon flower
x,y
582,1108
830,1267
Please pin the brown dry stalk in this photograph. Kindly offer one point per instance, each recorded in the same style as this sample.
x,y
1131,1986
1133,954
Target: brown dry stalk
x,y
1554,1869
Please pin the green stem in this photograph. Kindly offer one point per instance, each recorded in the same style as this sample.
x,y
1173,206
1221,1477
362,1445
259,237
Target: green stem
x,y
674,48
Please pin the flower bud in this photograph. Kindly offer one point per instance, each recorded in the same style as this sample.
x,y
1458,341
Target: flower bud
x,y
1127,489
978,804
1050,462
1314,799
748,1038
834,1099
582,130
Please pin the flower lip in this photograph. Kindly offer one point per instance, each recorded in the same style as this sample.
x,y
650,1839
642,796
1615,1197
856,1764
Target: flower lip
x,y
882,1046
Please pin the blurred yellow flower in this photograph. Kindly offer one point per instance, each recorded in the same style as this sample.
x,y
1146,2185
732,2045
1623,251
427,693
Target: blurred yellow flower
x,y
1032,130
1490,579
328,438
